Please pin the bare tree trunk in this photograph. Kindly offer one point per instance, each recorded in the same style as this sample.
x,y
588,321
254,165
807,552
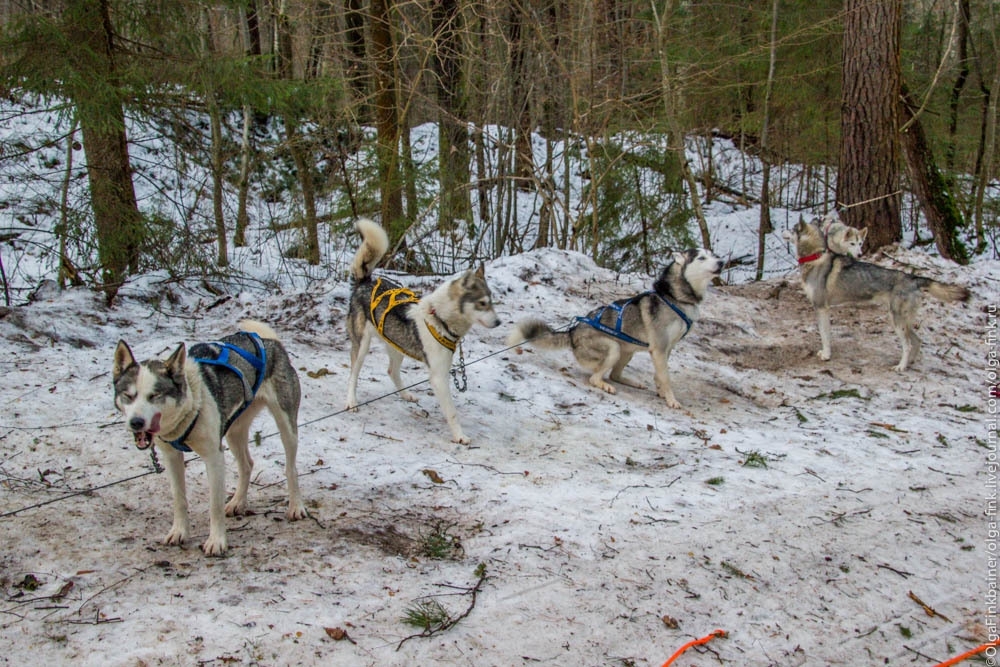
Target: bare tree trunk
x,y
959,85
868,185
67,272
355,67
453,137
253,28
102,122
765,227
243,187
930,187
672,104
521,87
387,119
989,151
215,150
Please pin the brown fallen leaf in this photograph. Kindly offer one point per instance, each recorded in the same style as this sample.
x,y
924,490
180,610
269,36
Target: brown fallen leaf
x,y
433,476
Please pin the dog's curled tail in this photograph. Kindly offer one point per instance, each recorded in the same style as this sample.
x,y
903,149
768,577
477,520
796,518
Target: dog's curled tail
x,y
374,245
538,333
946,291
259,328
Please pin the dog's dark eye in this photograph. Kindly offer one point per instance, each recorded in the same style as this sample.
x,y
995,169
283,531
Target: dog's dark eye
x,y
484,304
126,398
153,396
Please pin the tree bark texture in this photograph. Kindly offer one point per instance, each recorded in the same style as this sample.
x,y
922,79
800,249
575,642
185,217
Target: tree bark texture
x,y
102,123
387,119
453,158
930,187
868,185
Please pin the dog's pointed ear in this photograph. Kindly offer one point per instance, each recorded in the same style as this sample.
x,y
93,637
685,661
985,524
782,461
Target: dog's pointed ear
x,y
863,232
123,359
175,362
481,271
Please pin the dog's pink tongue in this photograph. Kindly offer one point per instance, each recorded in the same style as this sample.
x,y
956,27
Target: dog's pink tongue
x,y
154,425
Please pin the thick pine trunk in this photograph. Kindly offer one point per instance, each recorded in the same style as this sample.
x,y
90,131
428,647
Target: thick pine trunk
x,y
868,185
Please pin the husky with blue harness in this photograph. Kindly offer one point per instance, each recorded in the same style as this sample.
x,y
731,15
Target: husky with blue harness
x,y
428,329
605,340
197,396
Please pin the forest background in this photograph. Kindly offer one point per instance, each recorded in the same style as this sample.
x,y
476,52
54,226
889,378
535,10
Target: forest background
x,y
885,111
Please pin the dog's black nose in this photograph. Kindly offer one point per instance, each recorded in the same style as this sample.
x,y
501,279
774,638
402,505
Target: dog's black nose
x,y
137,424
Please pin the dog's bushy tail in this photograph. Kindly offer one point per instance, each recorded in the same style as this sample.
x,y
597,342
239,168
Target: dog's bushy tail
x,y
374,244
946,291
538,333
259,328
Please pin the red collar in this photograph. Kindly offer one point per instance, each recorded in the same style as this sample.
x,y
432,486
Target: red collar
x,y
810,258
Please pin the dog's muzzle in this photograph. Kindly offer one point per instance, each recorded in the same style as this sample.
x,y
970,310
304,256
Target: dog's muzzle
x,y
143,434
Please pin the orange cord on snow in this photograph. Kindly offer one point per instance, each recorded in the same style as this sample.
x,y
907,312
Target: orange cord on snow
x,y
696,642
968,654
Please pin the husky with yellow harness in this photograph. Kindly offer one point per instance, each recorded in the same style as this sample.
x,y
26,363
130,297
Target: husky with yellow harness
x,y
428,330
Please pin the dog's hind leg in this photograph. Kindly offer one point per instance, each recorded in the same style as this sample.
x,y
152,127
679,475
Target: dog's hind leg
x,y
395,363
289,431
181,528
603,366
238,438
903,310
619,368
359,350
825,335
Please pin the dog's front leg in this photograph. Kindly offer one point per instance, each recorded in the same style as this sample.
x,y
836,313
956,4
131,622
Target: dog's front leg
x,y
663,386
823,321
439,383
181,528
215,469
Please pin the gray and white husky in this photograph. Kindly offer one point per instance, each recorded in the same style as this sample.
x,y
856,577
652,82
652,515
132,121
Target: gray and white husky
x,y
605,340
428,329
842,239
831,279
195,397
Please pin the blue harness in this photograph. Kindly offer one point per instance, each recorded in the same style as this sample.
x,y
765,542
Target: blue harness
x,y
619,307
258,363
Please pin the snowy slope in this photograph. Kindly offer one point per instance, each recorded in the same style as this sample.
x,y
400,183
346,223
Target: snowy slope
x,y
612,529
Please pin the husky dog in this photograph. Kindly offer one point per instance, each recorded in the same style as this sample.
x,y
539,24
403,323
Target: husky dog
x,y
830,279
197,396
428,329
605,340
842,239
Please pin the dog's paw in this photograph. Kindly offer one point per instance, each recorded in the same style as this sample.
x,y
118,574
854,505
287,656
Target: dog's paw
x,y
296,513
407,396
215,546
176,536
351,406
823,355
604,386
901,367
236,507
462,439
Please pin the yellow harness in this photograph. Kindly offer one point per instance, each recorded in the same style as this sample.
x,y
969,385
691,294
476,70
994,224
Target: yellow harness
x,y
397,296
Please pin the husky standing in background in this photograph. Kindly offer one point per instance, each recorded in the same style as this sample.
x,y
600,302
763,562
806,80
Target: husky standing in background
x,y
841,239
605,341
194,398
831,279
428,329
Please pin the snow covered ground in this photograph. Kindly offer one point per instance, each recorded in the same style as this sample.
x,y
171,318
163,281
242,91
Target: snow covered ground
x,y
793,503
